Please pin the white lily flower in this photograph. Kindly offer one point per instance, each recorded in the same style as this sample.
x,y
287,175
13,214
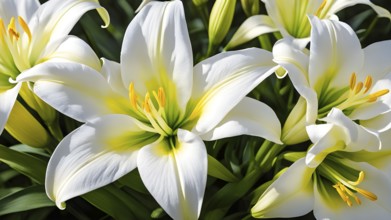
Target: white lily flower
x,y
339,178
31,33
289,17
337,73
149,112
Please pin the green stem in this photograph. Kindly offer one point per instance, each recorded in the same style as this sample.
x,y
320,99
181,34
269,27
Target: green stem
x,y
264,40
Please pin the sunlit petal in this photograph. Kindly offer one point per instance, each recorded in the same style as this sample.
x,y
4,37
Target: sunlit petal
x,y
72,88
229,74
176,177
164,57
7,100
287,200
251,28
91,157
250,117
334,55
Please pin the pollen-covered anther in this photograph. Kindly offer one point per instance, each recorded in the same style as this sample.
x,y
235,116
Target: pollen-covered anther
x,y
132,95
367,83
352,82
25,27
12,32
321,7
373,97
147,106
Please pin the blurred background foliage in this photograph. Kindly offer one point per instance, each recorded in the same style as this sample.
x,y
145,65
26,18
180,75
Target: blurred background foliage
x,y
22,194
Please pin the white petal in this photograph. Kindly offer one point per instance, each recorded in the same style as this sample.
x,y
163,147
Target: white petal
x,y
91,157
376,182
357,137
73,89
73,49
23,8
7,100
222,81
376,62
250,117
341,4
164,57
56,18
287,54
334,55
326,139
380,123
251,28
176,178
289,196
112,72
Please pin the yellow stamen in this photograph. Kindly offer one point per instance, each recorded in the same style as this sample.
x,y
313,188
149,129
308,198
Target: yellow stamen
x,y
132,96
25,27
367,194
358,87
367,83
147,107
373,97
360,178
12,30
353,79
340,192
2,27
161,97
320,8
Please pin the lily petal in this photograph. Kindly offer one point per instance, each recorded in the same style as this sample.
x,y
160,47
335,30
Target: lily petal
x,y
327,138
73,89
176,177
287,200
230,74
381,123
290,56
251,28
7,100
112,72
341,4
357,137
376,182
74,49
250,117
164,56
335,54
23,8
56,18
376,62
91,157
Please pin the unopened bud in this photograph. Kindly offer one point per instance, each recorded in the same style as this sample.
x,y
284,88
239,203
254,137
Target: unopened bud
x,y
220,20
250,7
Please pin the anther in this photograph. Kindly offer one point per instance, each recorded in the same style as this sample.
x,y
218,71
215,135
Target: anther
x,y
367,194
132,95
353,79
147,106
161,97
367,83
321,8
25,27
358,87
373,97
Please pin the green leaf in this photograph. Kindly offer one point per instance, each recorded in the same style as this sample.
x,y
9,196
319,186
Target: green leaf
x,y
25,199
29,150
216,169
116,203
24,163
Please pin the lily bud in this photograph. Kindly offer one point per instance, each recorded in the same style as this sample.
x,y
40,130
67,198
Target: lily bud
x,y
26,129
220,20
250,7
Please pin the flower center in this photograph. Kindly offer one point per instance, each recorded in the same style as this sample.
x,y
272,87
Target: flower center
x,y
357,95
151,111
340,176
14,59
